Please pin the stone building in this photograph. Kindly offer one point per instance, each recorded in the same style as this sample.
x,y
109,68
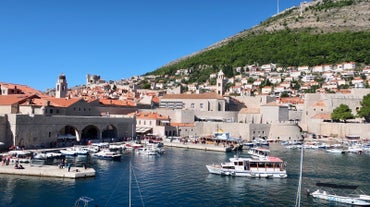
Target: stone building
x,y
39,120
316,116
196,102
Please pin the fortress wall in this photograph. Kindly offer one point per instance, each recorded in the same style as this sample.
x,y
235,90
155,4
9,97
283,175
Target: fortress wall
x,y
284,131
341,130
40,130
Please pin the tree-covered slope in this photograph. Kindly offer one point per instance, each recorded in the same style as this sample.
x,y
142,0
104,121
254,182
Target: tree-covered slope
x,y
322,32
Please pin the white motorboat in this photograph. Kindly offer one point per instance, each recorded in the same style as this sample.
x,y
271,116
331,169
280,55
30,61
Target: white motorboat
x,y
74,151
352,199
269,167
336,150
106,154
259,152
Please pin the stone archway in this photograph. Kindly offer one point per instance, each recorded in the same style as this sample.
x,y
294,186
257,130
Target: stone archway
x,y
110,133
67,136
90,132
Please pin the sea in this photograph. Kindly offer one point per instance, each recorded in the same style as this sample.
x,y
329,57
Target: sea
x,y
179,178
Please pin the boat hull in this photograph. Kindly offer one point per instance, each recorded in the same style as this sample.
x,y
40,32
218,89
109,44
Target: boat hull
x,y
217,169
340,199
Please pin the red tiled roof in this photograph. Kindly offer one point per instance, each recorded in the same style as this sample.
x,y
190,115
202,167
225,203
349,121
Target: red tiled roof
x,y
12,99
151,115
24,89
113,102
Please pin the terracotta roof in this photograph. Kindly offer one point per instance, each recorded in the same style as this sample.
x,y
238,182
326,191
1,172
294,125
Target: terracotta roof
x,y
63,102
151,115
12,99
113,102
193,96
24,89
155,99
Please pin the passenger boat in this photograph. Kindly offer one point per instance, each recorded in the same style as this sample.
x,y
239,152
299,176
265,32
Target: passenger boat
x,y
352,199
269,167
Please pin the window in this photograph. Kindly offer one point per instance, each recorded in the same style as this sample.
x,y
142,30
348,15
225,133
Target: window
x,y
192,105
201,105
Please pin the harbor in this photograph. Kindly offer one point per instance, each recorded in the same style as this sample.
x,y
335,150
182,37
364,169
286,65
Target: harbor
x,y
179,177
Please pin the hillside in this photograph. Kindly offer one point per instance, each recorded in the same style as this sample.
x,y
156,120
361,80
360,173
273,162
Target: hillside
x,y
318,32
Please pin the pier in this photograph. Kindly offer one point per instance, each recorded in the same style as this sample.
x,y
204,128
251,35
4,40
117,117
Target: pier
x,y
48,171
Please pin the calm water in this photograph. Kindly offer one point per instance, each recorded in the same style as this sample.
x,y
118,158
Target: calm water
x,y
179,178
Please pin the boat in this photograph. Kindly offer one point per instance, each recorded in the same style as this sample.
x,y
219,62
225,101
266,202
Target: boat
x,y
146,151
83,201
259,152
269,167
352,199
106,154
133,145
336,151
74,151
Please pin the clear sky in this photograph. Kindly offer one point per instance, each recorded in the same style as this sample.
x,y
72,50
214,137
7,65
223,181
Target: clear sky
x,y
41,39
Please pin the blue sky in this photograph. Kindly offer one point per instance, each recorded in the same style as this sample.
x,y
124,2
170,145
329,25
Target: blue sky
x,y
40,39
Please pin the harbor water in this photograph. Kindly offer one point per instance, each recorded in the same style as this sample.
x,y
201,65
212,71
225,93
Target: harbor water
x,y
179,178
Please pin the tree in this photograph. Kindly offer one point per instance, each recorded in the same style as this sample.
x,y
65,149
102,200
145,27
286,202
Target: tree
x,y
342,113
365,108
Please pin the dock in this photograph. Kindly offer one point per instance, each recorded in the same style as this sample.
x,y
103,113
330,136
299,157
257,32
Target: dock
x,y
198,146
48,171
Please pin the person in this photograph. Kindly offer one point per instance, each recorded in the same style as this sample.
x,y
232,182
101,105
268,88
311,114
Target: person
x,y
69,167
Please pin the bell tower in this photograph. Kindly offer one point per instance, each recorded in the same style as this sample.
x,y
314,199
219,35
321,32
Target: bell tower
x,y
220,83
61,87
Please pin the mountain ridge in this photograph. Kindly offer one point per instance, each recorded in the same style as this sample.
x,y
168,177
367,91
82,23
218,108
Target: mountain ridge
x,y
317,17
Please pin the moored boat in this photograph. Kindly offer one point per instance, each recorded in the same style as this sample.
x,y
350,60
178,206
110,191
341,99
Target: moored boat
x,y
107,155
269,167
352,199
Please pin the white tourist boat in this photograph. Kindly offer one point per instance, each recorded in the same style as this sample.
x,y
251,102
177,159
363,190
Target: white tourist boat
x,y
352,199
269,167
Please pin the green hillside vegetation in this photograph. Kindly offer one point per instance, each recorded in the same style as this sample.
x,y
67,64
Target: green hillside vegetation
x,y
284,48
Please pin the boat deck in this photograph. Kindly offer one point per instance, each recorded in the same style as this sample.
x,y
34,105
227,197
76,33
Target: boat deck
x,y
199,146
48,171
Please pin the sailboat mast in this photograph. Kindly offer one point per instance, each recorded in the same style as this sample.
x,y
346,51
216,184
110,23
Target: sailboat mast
x,y
130,186
298,198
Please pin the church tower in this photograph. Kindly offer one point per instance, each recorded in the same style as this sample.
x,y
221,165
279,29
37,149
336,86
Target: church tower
x,y
61,87
220,83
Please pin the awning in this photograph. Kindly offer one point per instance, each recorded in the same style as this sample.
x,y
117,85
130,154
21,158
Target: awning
x,y
143,129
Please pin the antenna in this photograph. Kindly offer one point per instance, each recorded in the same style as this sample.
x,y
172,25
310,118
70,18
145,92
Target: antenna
x,y
277,7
